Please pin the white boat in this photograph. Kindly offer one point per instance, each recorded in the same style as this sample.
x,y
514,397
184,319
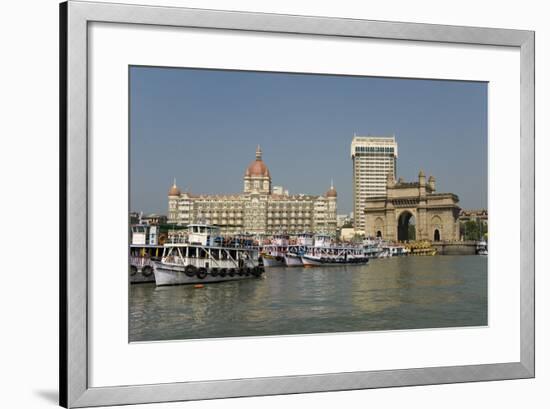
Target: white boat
x,y
481,248
144,250
337,256
374,251
273,254
273,259
293,256
293,259
375,248
202,259
396,250
142,258
384,253
324,253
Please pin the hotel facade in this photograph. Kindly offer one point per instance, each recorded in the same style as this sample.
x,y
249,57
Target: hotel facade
x,y
374,160
260,209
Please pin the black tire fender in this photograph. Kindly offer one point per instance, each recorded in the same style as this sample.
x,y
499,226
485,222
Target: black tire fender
x,y
202,273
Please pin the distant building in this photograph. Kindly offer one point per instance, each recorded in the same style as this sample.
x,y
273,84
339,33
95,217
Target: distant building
x,y
344,220
279,190
154,219
374,159
259,209
475,215
347,233
135,218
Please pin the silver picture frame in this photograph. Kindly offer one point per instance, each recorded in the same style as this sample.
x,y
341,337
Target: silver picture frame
x,y
75,16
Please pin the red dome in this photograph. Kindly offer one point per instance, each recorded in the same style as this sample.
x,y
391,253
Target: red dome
x,y
258,167
331,192
174,191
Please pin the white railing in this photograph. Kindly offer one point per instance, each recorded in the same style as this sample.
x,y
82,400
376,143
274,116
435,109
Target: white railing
x,y
140,261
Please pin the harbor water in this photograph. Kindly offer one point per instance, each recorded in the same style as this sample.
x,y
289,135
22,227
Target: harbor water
x,y
387,294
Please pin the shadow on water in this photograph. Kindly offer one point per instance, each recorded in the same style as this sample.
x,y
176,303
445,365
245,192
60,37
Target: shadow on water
x,y
396,293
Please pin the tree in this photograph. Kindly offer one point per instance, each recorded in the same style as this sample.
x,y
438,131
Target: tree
x,y
472,230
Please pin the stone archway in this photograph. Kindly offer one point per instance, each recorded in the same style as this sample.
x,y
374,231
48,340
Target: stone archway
x,y
406,226
379,226
436,226
412,211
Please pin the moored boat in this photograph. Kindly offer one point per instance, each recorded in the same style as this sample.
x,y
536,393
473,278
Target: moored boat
x,y
273,259
342,256
273,254
293,256
201,258
481,248
142,258
144,250
293,259
324,253
396,250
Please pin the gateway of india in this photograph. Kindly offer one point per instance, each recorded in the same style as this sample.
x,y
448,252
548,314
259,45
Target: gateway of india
x,y
387,208
435,214
259,209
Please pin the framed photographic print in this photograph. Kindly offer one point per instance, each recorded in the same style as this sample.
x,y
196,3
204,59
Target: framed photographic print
x,y
318,195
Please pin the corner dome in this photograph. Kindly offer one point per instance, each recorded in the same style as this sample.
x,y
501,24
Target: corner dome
x,y
332,191
174,191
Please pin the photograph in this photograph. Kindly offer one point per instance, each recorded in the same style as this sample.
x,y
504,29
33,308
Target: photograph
x,y
266,204
276,203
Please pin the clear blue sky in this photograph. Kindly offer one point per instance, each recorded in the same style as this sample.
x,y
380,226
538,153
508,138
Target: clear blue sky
x,y
202,127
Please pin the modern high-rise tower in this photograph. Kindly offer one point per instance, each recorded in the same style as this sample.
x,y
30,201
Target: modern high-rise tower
x,y
374,159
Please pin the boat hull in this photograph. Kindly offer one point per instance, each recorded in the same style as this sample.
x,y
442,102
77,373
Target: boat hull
x,y
140,273
317,262
175,275
292,260
271,261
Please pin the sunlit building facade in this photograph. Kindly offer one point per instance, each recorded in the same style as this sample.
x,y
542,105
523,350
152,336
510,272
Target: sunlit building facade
x,y
374,159
260,209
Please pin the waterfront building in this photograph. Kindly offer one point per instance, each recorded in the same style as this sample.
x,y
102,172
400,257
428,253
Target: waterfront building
x,y
154,219
374,159
479,216
260,209
135,218
344,220
347,233
412,211
473,224
150,219
279,190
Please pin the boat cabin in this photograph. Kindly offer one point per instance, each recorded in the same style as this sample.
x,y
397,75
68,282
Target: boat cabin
x,y
204,235
305,239
323,240
280,240
143,234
